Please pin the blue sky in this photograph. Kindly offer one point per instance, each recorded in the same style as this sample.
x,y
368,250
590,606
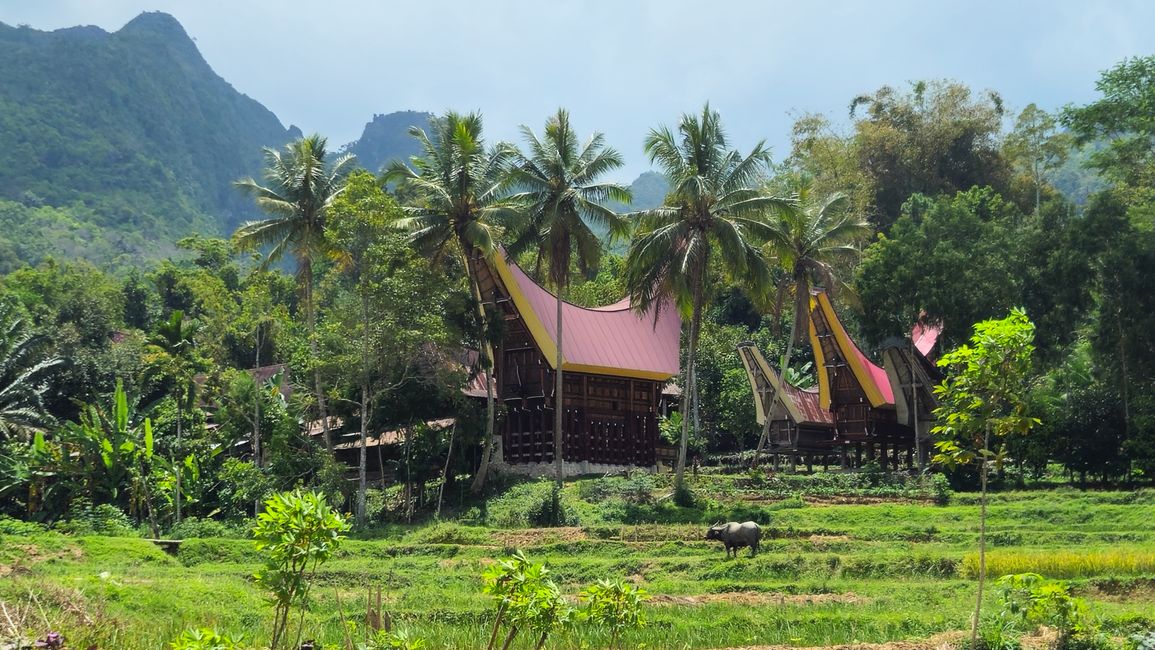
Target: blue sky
x,y
624,67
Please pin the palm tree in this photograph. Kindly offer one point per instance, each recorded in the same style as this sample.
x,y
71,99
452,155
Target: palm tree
x,y
300,187
459,210
809,240
174,347
559,187
715,207
22,384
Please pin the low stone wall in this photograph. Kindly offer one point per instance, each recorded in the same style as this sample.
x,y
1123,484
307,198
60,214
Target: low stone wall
x,y
569,469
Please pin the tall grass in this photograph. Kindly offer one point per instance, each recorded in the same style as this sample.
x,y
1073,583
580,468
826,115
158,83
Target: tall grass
x,y
1064,564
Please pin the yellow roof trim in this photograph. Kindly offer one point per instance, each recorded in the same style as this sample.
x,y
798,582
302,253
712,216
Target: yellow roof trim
x,y
820,360
774,380
544,341
616,372
848,351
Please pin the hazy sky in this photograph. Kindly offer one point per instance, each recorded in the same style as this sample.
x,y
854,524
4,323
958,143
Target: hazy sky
x,y
624,67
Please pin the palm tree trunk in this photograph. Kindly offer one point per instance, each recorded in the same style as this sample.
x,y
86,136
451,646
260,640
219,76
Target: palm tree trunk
x,y
918,450
691,388
982,538
314,354
257,413
180,462
485,358
558,402
362,461
445,471
152,525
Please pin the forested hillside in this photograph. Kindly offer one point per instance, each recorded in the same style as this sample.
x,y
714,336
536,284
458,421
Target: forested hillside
x,y
116,144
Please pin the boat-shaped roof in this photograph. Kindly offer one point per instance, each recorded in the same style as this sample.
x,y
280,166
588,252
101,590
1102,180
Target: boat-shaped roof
x,y
609,340
873,380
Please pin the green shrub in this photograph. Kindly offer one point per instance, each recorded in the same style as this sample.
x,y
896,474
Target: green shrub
x,y
11,526
1142,641
637,489
205,639
449,533
395,640
684,497
1031,600
297,532
551,511
940,489
195,527
615,605
200,550
510,510
83,518
999,634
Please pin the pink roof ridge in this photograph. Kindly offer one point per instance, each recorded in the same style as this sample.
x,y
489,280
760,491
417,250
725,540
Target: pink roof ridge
x,y
613,337
924,336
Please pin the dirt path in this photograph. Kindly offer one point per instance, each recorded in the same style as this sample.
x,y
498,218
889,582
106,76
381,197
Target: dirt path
x,y
941,641
757,598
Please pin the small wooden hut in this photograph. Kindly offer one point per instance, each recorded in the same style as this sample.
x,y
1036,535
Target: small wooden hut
x,y
799,426
857,392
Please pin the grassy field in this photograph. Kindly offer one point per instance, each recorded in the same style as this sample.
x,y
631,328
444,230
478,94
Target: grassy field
x,y
880,569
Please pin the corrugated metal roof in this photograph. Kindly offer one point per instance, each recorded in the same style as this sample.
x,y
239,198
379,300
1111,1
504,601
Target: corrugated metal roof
x,y
806,401
609,340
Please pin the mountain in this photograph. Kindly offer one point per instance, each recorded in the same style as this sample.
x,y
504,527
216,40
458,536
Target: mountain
x,y
649,191
116,144
387,138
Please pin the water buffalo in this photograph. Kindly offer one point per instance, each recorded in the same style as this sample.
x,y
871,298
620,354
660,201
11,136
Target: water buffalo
x,y
735,535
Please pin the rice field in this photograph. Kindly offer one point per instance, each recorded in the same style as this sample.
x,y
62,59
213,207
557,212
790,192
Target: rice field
x,y
829,573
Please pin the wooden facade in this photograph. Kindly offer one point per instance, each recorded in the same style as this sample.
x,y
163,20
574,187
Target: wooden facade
x,y
798,427
858,394
609,418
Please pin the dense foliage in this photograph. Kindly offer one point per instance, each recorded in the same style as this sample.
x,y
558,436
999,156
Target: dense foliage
x,y
233,362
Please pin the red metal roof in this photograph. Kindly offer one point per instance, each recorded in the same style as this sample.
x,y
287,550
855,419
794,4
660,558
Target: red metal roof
x,y
608,340
806,400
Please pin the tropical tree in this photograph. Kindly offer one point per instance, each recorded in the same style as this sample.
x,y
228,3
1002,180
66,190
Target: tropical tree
x,y
173,348
391,346
300,187
715,210
109,447
564,200
460,209
983,399
811,240
22,384
1038,147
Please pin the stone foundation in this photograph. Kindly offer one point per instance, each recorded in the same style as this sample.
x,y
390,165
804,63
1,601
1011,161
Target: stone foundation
x,y
569,469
